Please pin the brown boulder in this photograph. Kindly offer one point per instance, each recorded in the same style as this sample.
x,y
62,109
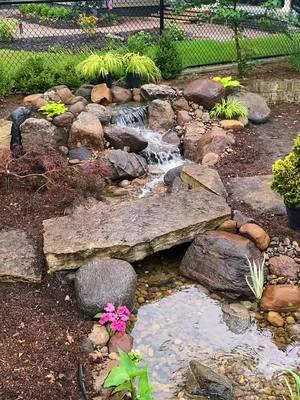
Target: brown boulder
x,y
121,95
126,165
192,140
40,132
205,92
101,94
161,115
59,93
281,298
64,120
218,261
228,226
87,130
210,159
35,100
284,266
183,117
215,141
233,124
120,341
120,137
256,234
77,108
181,104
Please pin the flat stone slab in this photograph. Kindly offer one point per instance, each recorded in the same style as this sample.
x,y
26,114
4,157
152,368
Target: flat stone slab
x,y
18,258
132,230
255,191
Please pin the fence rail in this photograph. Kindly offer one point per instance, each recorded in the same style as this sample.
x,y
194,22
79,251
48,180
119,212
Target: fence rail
x,y
59,34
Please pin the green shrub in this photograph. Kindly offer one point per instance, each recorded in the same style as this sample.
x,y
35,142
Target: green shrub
x,y
68,75
110,18
175,31
229,109
44,11
6,81
286,176
167,58
8,28
140,42
295,61
35,75
52,110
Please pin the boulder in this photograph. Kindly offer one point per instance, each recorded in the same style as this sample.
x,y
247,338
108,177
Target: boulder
x,y
228,226
183,117
232,124
192,141
181,104
101,281
60,93
210,159
80,153
101,94
87,130
103,113
172,174
63,120
161,115
151,91
257,234
281,298
144,227
99,336
205,92
17,117
196,175
77,108
120,137
258,110
121,95
126,165
284,266
171,137
35,100
120,341
85,91
236,317
202,380
255,191
40,132
18,258
215,141
5,133
218,261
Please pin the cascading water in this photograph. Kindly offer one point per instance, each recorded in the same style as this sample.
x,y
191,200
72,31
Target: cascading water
x,y
159,154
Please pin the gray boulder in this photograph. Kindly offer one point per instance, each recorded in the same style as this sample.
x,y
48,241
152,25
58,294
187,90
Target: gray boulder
x,y
151,91
217,260
126,165
161,115
205,92
85,91
103,113
258,109
172,174
80,153
40,132
120,137
99,282
18,257
236,317
204,381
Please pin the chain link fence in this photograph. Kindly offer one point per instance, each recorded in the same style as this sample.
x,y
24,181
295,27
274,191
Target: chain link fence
x,y
72,28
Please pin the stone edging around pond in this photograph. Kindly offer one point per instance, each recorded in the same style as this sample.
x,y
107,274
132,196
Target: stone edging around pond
x,y
276,90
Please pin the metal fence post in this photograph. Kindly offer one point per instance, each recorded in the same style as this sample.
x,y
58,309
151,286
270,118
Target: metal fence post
x,y
161,17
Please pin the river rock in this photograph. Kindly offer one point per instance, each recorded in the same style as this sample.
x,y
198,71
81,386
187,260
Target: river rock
x,y
284,266
121,95
215,141
255,192
281,298
101,281
60,93
202,380
228,226
87,130
64,120
101,94
150,91
196,175
5,133
144,227
236,317
192,141
171,137
257,234
161,115
258,110
294,331
99,336
18,257
120,341
40,132
126,165
172,174
120,137
205,92
80,153
35,100
85,91
183,117
77,108
232,124
181,104
218,261
103,113
275,319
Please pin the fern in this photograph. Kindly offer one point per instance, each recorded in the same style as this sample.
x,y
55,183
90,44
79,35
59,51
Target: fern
x,y
229,109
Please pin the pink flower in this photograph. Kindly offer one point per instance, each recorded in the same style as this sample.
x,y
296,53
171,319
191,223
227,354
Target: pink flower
x,y
118,326
110,308
104,319
123,313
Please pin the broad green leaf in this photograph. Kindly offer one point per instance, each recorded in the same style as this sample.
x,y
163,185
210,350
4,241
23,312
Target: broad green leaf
x,y
116,376
98,315
145,387
127,363
124,387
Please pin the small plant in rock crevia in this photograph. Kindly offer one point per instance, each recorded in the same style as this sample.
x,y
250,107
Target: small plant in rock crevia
x,y
52,110
227,82
114,318
256,278
286,182
140,69
129,377
296,376
229,109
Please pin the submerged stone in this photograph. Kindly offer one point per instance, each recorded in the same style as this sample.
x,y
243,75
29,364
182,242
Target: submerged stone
x,y
132,230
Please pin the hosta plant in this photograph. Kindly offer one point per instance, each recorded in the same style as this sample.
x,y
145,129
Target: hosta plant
x,y
227,82
256,277
129,377
229,109
52,110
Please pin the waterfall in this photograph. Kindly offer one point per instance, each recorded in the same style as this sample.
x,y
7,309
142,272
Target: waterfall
x,y
131,116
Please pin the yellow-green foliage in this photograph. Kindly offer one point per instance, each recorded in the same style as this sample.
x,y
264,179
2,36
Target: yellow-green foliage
x,y
286,176
52,110
229,109
227,81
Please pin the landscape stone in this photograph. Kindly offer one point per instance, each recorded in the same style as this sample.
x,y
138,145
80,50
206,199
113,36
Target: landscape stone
x,y
103,113
87,130
196,175
232,124
126,165
5,133
255,192
101,94
17,117
215,141
171,137
101,281
281,298
275,319
258,110
121,95
80,153
120,341
181,104
236,317
150,91
144,227
99,336
172,174
257,234
192,141
18,257
35,100
204,91
161,115
40,132
210,159
60,93
284,266
241,219
85,91
120,137
294,331
218,261
77,108
183,117
64,119
228,226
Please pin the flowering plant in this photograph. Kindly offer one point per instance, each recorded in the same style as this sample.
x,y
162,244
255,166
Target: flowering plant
x,y
88,24
115,319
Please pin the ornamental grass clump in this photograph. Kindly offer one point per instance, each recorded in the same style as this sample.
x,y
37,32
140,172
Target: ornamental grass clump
x,y
114,319
229,109
296,377
256,278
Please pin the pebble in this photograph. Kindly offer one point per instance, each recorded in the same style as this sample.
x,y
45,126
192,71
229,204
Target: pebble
x,y
275,318
141,300
290,320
